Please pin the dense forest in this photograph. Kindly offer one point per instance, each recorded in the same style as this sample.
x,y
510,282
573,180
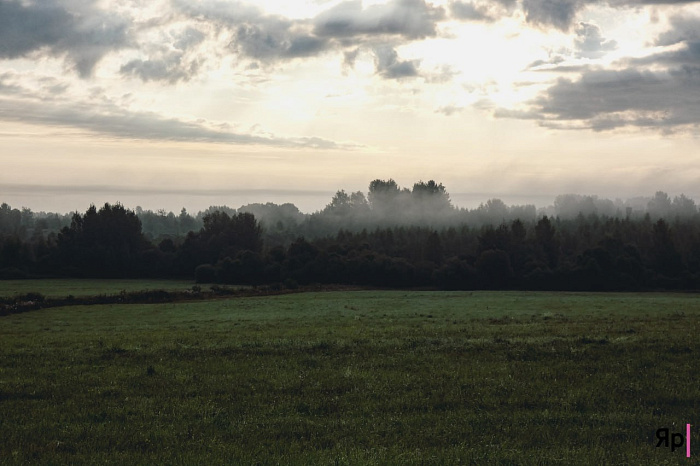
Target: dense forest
x,y
391,237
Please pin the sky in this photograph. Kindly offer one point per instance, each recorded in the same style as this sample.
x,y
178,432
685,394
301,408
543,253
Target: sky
x,y
191,103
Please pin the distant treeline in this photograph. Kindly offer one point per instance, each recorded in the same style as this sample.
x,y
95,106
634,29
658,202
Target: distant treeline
x,y
392,237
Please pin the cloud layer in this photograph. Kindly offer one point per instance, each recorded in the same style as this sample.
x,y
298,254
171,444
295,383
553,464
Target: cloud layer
x,y
661,90
180,40
411,19
83,34
104,117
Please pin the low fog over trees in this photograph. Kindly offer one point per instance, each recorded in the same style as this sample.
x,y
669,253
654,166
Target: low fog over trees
x,y
390,237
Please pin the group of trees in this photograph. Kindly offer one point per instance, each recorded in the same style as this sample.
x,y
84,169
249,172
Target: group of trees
x,y
392,237
586,253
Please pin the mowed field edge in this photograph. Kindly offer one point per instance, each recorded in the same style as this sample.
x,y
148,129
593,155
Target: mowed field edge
x,y
365,377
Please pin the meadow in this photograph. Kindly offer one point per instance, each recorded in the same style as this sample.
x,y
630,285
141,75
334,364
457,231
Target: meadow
x,y
363,377
62,287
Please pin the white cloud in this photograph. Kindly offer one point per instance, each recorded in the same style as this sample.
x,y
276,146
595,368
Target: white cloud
x,y
101,115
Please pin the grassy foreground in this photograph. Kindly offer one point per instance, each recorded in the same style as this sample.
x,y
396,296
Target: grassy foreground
x,y
60,288
353,378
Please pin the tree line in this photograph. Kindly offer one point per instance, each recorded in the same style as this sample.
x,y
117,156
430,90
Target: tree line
x,y
392,237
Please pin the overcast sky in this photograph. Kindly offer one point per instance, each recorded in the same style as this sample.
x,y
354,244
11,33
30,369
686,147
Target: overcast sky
x,y
186,103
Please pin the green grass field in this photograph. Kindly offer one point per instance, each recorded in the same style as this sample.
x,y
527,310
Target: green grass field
x,y
366,377
60,288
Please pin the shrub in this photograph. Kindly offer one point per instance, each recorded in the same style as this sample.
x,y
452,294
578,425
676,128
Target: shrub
x,y
291,284
205,273
13,273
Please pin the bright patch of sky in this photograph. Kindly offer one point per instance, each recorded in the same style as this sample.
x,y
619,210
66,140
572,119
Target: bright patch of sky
x,y
504,98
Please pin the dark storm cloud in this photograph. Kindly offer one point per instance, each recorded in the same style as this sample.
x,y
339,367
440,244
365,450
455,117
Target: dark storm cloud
x,y
390,66
342,28
267,44
256,35
601,92
561,14
687,57
84,34
557,13
605,99
683,28
412,19
650,2
24,29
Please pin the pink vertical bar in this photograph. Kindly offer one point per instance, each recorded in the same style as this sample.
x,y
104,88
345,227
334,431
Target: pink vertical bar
x,y
687,440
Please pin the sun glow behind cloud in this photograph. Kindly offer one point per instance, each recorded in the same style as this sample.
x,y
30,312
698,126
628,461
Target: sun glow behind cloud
x,y
334,94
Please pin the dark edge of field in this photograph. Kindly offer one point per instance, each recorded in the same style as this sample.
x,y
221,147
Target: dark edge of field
x,y
33,300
